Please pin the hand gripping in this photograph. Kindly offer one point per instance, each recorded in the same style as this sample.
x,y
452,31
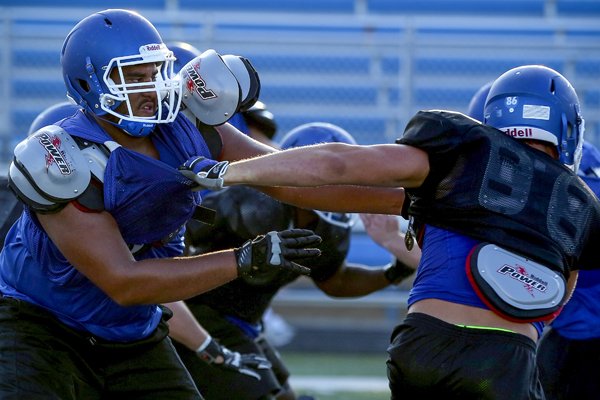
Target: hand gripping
x,y
276,251
221,357
206,173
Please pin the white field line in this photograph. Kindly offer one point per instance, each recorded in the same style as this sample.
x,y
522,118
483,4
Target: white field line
x,y
340,383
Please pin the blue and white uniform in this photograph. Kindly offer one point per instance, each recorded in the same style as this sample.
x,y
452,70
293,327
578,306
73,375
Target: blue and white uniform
x,y
147,207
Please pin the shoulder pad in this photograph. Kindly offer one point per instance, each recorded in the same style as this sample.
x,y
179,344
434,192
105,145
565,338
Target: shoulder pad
x,y
247,77
49,170
210,91
96,156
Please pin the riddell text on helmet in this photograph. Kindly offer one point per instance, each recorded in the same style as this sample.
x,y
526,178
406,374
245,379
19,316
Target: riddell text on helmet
x,y
521,133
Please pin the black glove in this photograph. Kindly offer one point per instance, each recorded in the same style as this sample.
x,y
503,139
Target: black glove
x,y
206,173
398,271
275,251
222,357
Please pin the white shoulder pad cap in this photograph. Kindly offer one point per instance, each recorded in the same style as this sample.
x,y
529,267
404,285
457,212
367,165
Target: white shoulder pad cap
x,y
209,89
49,169
247,77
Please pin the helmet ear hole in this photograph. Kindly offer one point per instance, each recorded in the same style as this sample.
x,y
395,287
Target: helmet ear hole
x,y
84,85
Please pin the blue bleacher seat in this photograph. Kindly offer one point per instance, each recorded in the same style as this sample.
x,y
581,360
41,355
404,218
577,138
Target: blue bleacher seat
x,y
457,7
590,97
279,30
313,95
316,6
588,67
98,4
394,95
21,120
480,65
490,34
311,64
42,89
366,130
41,58
580,8
438,97
391,65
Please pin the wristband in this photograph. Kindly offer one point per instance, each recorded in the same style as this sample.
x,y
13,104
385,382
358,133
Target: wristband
x,y
397,271
204,344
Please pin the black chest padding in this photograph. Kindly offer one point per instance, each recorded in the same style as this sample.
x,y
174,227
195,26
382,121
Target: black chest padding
x,y
212,139
490,186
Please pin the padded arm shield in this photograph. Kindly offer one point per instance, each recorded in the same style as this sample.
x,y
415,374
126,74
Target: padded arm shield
x,y
210,90
49,170
247,77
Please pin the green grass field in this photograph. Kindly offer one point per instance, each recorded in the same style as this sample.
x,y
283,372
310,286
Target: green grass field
x,y
333,376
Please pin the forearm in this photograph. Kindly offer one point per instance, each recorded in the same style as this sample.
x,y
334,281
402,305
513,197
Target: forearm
x,y
341,198
184,328
398,248
353,280
333,164
168,280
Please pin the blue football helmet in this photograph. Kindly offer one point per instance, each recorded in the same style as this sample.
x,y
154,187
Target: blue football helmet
x,y
314,133
477,102
184,53
53,114
537,103
113,39
590,161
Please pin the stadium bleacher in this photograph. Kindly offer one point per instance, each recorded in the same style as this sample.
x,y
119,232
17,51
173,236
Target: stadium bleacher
x,y
461,7
368,65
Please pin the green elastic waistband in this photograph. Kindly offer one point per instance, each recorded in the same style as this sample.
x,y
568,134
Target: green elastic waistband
x,y
485,327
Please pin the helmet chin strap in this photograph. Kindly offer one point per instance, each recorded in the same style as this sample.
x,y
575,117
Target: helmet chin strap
x,y
137,129
132,128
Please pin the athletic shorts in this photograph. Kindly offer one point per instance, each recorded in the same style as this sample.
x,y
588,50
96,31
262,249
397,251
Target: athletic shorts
x,y
218,384
41,358
429,358
569,369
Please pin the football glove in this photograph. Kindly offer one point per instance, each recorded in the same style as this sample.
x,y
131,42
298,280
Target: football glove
x,y
276,250
206,173
221,357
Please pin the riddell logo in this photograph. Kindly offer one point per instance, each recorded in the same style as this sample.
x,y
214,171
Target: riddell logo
x,y
152,47
519,133
51,144
198,85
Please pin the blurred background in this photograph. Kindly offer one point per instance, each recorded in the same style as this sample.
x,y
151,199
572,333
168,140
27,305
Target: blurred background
x,y
365,65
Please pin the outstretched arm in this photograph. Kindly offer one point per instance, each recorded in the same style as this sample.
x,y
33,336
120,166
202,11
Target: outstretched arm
x,y
387,165
339,198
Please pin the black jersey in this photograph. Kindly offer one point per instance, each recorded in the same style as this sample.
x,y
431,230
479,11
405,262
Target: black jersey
x,y
490,186
10,210
242,214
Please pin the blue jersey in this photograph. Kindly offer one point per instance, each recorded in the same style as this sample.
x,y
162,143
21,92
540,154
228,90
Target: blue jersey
x,y
442,270
150,201
580,318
